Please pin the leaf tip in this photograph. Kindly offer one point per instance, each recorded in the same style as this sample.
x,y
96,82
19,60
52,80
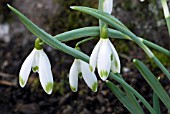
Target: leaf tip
x,y
134,60
72,7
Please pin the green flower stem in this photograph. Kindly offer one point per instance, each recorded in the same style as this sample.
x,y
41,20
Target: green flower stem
x,y
95,31
123,83
167,15
38,44
85,40
103,26
118,25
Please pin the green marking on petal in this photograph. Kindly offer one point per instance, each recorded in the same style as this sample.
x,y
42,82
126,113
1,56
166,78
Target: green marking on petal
x,y
94,87
80,75
49,87
35,69
103,73
91,68
73,88
111,57
21,81
116,64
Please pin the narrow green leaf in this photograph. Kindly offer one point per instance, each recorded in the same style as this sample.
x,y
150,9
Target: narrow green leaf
x,y
87,32
153,82
132,98
130,89
166,13
95,31
47,38
110,20
156,105
123,98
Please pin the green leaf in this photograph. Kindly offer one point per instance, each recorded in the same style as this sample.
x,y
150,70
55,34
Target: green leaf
x,y
153,82
122,28
156,105
123,98
131,97
48,39
130,89
86,32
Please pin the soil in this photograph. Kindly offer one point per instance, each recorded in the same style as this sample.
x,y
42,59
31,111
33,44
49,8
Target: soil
x,y
145,19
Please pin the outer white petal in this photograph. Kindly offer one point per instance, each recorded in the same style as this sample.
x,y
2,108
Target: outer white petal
x,y
104,59
88,76
115,65
94,56
108,6
45,73
35,63
25,69
73,75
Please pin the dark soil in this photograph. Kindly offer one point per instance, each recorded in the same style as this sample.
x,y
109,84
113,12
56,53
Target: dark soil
x,y
54,16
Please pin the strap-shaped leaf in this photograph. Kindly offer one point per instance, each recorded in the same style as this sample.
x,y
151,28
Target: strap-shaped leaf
x,y
132,98
122,28
47,38
123,98
153,82
94,31
86,32
156,104
128,87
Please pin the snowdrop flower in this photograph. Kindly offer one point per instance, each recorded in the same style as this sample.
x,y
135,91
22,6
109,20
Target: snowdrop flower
x,y
39,62
107,6
104,55
81,68
106,58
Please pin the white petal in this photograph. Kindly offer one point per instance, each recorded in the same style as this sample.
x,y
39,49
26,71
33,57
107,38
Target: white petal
x,y
36,60
25,69
108,6
104,59
115,65
45,73
93,56
73,75
88,76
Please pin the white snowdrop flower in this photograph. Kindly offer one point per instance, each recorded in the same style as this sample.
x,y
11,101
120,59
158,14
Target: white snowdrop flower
x,y
105,57
39,62
81,68
108,6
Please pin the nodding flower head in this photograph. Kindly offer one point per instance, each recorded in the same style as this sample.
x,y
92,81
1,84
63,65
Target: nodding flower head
x,y
105,57
80,68
38,61
108,6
